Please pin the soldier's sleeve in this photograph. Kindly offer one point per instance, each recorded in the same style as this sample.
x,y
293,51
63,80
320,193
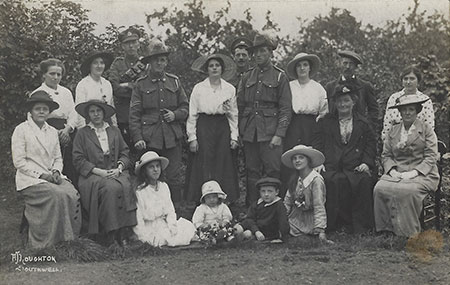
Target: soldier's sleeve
x,y
135,114
372,104
240,94
182,111
284,106
114,77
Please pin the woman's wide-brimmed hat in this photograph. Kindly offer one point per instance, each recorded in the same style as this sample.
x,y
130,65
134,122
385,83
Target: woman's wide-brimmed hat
x,y
83,108
314,64
212,187
155,48
316,157
408,100
40,96
200,65
148,157
263,41
86,64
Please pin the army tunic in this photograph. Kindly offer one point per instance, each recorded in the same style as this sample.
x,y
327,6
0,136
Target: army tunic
x,y
124,70
265,104
151,95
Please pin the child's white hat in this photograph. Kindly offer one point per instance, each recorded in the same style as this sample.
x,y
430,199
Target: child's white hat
x,y
212,187
317,158
148,157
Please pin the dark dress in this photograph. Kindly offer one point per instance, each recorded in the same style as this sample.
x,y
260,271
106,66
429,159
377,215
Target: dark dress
x,y
349,201
109,204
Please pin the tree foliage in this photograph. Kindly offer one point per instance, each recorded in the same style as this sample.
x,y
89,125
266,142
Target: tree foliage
x,y
62,29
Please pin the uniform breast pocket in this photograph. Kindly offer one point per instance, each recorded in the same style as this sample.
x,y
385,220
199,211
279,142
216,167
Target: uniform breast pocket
x,y
169,100
269,91
149,98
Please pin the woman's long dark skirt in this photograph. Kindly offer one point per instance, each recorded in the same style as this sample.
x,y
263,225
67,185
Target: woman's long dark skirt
x,y
214,159
300,131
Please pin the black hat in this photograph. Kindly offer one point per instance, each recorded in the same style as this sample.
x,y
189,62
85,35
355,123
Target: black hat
x,y
130,34
240,42
82,108
344,89
86,65
40,96
268,181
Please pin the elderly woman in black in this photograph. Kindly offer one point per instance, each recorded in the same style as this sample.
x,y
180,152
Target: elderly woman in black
x,y
349,145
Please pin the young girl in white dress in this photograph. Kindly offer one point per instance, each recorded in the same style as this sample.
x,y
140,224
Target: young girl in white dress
x,y
156,217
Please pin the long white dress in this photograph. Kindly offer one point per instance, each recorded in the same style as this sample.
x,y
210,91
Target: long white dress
x,y
156,218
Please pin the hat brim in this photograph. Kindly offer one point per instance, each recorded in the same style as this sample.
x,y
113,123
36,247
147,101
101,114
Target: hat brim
x,y
230,66
164,163
351,56
52,105
252,48
314,65
315,156
221,195
82,108
240,42
130,38
409,103
86,64
146,59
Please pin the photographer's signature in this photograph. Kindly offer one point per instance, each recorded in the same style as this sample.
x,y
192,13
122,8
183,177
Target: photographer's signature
x,y
24,263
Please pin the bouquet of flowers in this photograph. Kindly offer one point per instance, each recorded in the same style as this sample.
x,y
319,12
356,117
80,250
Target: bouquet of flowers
x,y
216,233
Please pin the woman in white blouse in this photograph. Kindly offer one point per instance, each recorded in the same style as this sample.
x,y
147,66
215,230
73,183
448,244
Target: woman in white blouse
x,y
309,104
93,85
411,78
64,119
212,129
52,206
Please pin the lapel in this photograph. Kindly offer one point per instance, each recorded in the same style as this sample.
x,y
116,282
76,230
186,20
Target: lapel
x,y
415,133
42,143
336,131
93,137
111,141
356,132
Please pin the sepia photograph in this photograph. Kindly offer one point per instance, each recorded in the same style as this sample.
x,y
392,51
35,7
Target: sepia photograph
x,y
228,142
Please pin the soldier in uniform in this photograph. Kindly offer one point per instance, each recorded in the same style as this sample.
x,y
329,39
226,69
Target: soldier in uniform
x,y
366,104
265,110
158,107
124,71
241,58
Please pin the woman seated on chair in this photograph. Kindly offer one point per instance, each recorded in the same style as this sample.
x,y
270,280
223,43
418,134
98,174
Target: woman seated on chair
x,y
51,203
410,171
349,145
100,155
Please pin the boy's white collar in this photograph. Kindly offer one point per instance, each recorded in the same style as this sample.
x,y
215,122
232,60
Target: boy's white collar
x,y
260,200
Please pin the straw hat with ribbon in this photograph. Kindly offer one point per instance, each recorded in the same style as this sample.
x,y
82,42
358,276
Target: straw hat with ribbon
x,y
316,157
200,65
148,157
314,64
